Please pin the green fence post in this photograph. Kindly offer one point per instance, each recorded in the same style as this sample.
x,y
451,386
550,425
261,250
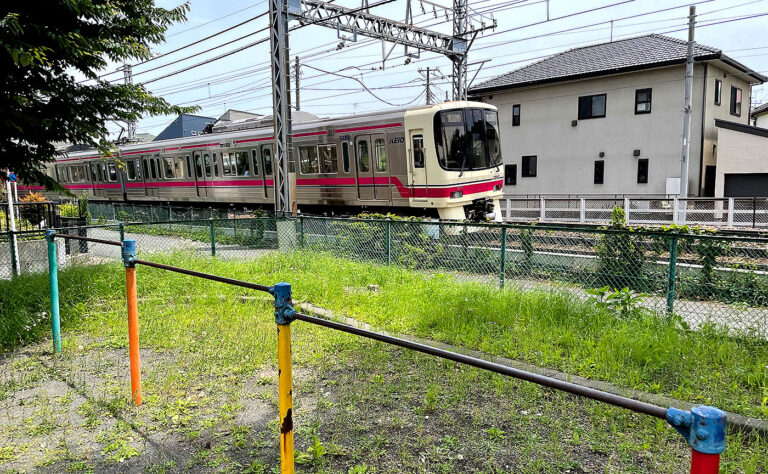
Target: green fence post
x,y
213,238
53,280
122,232
388,233
503,265
672,274
14,261
301,231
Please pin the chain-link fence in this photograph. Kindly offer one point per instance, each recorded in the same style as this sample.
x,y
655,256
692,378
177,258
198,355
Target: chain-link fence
x,y
699,278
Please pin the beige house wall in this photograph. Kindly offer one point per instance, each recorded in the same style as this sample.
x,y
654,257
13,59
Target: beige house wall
x,y
566,153
762,120
739,152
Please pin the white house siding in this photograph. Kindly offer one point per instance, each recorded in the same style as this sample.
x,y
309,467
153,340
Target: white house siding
x,y
566,154
739,153
762,120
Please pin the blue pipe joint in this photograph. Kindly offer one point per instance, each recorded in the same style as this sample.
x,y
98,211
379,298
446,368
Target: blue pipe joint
x,y
129,253
284,312
703,428
50,235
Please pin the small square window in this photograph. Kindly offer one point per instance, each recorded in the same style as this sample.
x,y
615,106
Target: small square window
x,y
643,101
516,115
599,171
642,170
592,106
529,166
510,175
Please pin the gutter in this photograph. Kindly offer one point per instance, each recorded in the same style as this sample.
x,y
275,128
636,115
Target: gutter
x,y
701,143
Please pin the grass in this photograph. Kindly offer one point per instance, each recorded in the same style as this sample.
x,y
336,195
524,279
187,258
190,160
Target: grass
x,y
209,378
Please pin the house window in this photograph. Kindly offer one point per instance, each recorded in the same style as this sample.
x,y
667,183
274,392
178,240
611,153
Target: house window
x,y
510,175
643,101
516,115
735,101
599,172
418,151
718,91
642,170
529,167
592,106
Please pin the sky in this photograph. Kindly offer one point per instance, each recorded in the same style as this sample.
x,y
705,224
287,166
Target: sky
x,y
523,34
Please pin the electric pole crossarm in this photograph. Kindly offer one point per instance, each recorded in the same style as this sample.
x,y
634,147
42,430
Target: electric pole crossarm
x,y
359,22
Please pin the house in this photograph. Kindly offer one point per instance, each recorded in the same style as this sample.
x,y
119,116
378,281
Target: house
x,y
760,116
185,125
608,118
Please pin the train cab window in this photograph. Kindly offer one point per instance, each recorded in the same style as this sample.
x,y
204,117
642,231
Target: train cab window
x,y
381,154
240,164
130,171
308,160
112,176
345,156
418,151
329,162
363,157
207,165
168,168
255,162
267,154
215,165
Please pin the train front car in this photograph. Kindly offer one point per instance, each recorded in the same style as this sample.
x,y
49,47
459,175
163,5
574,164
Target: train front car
x,y
454,150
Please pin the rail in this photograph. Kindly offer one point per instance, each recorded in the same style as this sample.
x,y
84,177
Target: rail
x,y
702,427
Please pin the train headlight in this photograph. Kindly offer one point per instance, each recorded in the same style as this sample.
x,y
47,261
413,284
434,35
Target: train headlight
x,y
497,187
457,194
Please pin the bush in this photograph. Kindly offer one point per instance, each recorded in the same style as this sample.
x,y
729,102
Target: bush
x,y
621,254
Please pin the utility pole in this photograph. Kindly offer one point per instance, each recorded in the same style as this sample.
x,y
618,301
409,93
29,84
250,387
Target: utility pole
x,y
128,77
298,79
278,39
429,93
460,23
688,107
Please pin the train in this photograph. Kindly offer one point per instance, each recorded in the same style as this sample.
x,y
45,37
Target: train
x,y
441,160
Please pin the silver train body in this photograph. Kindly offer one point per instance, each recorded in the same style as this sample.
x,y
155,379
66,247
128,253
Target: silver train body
x,y
444,158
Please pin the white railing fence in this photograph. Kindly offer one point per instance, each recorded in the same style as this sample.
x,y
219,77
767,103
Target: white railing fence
x,y
719,212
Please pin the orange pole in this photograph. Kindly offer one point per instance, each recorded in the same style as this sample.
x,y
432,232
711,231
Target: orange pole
x,y
133,334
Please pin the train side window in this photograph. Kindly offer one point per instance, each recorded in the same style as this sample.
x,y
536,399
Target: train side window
x,y
153,168
345,156
363,157
104,174
145,164
190,172
381,154
418,151
131,171
329,161
207,165
178,165
138,169
255,162
267,154
215,165
240,163
168,168
225,164
92,167
308,160
112,173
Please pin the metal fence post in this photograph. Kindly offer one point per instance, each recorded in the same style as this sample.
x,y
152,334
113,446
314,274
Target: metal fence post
x,y
388,233
14,258
284,316
754,210
730,212
121,228
213,237
542,209
675,204
503,269
301,231
129,261
626,210
53,280
704,429
582,210
672,274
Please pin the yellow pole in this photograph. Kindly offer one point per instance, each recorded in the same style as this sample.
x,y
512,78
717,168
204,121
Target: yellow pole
x,y
285,397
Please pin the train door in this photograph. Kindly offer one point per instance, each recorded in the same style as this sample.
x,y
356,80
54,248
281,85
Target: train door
x,y
364,168
268,170
201,186
380,167
419,182
94,167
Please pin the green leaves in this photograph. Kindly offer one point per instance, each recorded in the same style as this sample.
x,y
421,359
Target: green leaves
x,y
43,104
